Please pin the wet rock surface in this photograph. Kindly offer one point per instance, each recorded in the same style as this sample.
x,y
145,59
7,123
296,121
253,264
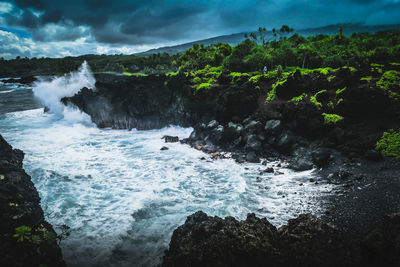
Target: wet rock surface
x,y
305,241
26,80
35,243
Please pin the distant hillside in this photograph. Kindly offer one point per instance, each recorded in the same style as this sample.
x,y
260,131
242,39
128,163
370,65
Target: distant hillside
x,y
236,38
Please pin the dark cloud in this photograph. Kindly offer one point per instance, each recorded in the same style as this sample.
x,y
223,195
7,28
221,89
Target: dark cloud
x,y
24,18
143,22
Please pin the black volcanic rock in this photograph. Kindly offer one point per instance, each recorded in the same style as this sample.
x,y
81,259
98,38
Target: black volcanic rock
x,y
157,101
20,207
212,241
26,80
305,241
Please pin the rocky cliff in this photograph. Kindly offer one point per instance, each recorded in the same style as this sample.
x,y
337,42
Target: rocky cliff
x,y
157,101
26,238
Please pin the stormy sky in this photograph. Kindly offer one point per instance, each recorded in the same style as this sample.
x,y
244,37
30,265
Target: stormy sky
x,y
56,28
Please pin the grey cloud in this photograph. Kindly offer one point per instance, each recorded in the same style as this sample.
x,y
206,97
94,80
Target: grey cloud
x,y
144,22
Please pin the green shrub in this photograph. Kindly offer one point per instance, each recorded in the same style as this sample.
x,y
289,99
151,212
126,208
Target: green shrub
x,y
314,99
196,79
389,144
255,78
390,82
271,95
331,77
209,80
134,74
376,68
279,71
203,86
352,69
324,71
282,80
338,91
171,73
236,76
331,118
368,78
298,98
23,233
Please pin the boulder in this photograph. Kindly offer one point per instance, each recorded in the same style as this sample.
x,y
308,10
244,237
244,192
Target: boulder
x,y
301,160
252,126
216,134
193,135
170,139
272,126
252,143
320,156
285,141
252,157
232,131
212,124
308,241
211,241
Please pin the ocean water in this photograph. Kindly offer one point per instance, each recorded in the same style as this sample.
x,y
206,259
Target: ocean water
x,y
120,194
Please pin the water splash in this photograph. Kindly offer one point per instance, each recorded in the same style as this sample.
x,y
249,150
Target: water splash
x,y
51,92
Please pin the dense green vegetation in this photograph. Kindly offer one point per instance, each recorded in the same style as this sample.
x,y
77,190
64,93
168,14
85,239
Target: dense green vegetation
x,y
321,53
389,144
128,64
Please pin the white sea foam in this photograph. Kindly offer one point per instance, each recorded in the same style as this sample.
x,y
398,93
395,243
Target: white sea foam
x,y
8,91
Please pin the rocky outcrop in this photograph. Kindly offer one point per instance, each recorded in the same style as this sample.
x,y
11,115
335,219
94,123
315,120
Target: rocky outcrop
x,y
157,101
26,238
26,80
304,241
234,116
297,129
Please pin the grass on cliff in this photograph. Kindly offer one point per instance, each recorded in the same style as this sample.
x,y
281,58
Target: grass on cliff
x,y
389,144
298,98
136,74
331,118
314,99
203,86
204,78
390,82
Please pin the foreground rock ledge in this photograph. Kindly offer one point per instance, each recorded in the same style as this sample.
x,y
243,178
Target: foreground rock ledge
x,y
305,241
35,244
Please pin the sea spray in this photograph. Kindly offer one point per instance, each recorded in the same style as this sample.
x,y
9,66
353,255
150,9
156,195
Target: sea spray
x,y
51,92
